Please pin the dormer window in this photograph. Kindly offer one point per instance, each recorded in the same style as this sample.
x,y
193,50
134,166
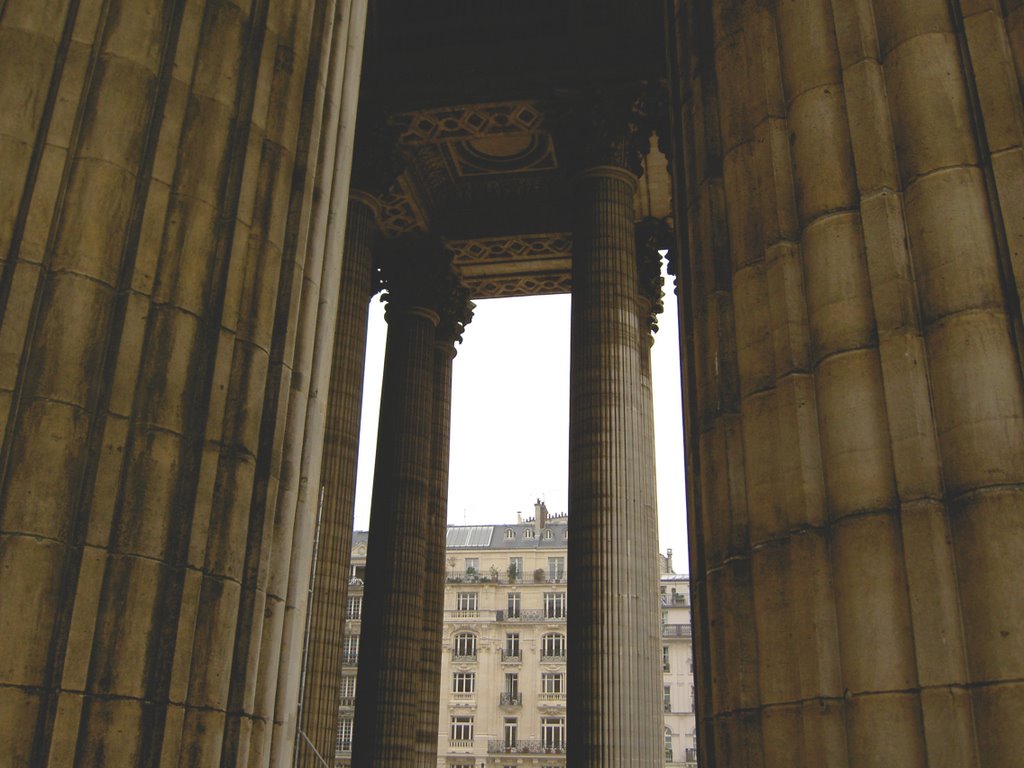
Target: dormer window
x,y
528,533
509,533
548,535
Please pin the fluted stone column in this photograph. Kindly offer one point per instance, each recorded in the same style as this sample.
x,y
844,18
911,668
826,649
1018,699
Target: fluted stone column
x,y
318,721
158,172
417,279
454,317
613,695
860,414
651,236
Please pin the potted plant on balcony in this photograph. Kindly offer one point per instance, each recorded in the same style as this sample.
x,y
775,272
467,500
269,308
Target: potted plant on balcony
x,y
539,576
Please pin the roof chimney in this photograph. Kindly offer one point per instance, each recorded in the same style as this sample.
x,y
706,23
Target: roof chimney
x,y
668,561
540,514
519,518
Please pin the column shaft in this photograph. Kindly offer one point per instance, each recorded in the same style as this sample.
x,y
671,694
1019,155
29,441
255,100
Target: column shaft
x,y
322,674
436,537
847,307
388,686
610,569
151,155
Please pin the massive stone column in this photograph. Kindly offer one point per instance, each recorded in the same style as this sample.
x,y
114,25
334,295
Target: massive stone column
x,y
613,717
318,720
159,169
417,278
455,315
853,266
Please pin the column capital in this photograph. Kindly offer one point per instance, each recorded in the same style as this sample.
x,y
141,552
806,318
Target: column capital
x,y
417,276
376,161
652,236
456,313
605,132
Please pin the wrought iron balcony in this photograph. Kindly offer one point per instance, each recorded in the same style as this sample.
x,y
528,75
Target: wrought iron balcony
x,y
524,614
552,655
511,699
458,655
511,657
522,747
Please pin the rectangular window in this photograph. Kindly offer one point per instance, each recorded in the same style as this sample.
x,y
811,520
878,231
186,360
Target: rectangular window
x,y
350,650
511,731
665,666
514,600
512,683
465,644
667,698
515,569
554,605
344,736
462,728
556,568
354,609
552,732
552,682
463,682
511,644
472,566
552,645
348,691
466,601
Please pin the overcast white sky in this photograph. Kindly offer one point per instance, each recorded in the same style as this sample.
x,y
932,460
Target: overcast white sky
x,y
510,415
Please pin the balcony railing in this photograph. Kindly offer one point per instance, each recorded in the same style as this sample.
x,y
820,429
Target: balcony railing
x,y
460,743
350,658
676,630
511,699
551,696
524,614
511,657
463,696
522,747
552,656
461,577
458,655
466,614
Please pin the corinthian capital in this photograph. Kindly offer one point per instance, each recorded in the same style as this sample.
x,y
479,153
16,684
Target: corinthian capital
x,y
652,237
417,274
605,128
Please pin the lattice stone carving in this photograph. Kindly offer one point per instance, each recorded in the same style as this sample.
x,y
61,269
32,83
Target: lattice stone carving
x,y
397,214
513,247
467,122
494,287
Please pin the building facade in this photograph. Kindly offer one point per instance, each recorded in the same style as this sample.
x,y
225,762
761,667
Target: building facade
x,y
504,649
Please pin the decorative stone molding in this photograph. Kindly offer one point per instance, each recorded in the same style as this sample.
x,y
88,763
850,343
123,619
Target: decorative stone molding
x,y
511,247
469,122
398,213
494,287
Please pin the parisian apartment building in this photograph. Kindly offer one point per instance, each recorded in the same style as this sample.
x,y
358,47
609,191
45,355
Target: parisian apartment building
x,y
503,673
